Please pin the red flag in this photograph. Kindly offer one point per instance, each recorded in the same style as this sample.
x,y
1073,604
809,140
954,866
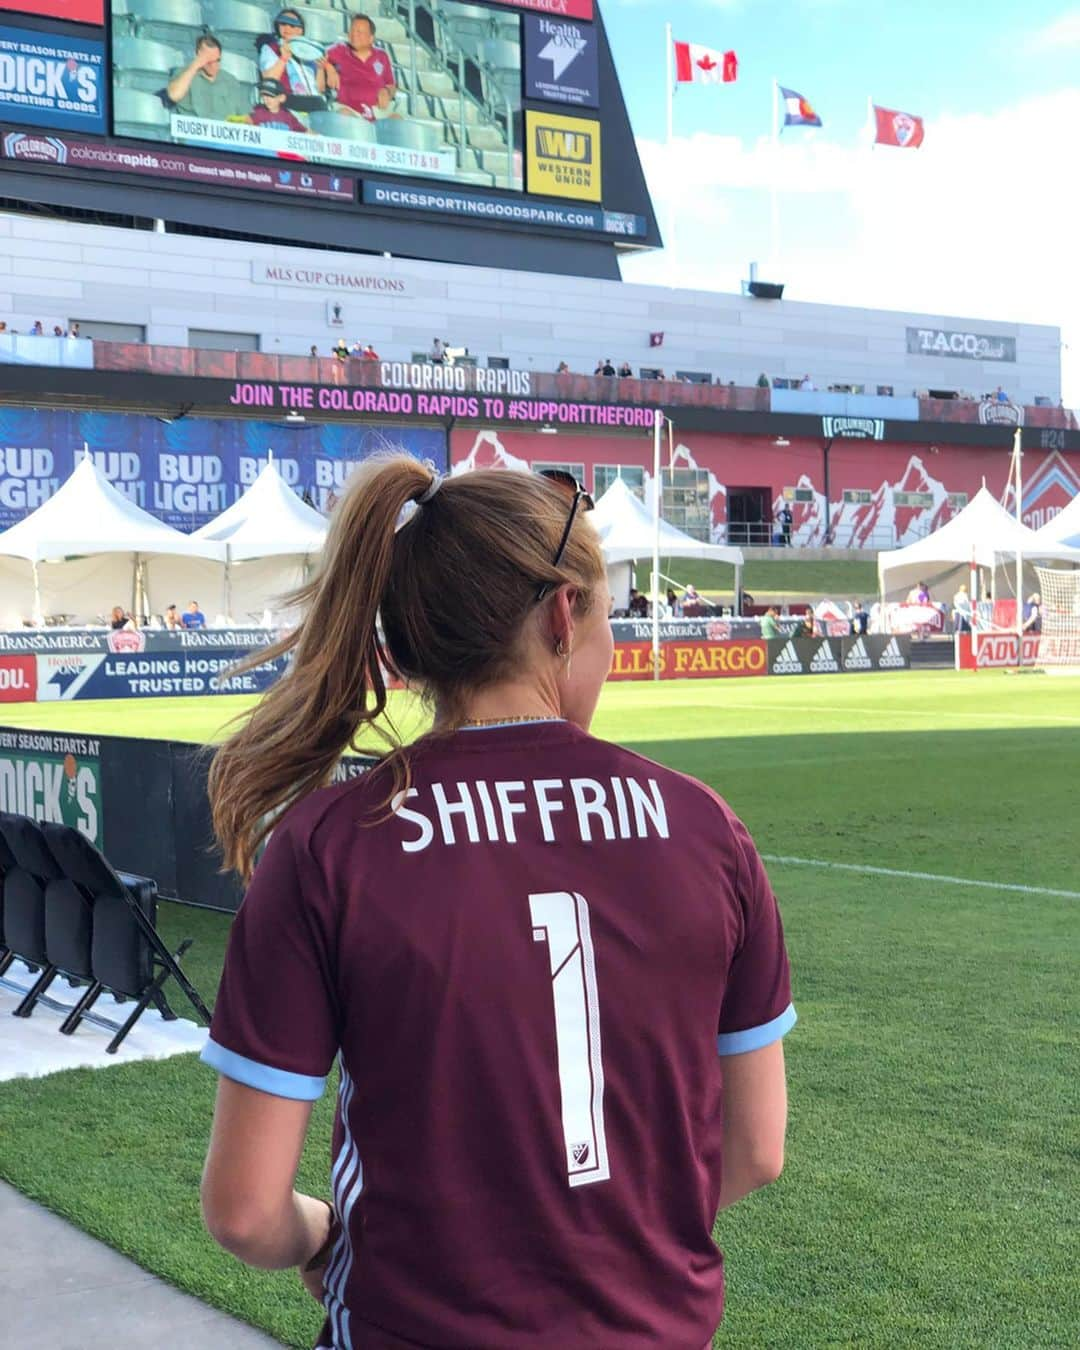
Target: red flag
x,y
901,129
702,65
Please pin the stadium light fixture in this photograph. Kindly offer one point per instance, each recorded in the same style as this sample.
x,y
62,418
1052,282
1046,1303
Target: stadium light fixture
x,y
781,440
294,418
548,430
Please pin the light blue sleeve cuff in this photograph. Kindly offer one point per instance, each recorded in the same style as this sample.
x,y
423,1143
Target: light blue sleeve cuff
x,y
757,1038
277,1082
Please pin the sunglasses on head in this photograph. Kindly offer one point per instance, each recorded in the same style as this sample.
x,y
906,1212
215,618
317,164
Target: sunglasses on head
x,y
579,499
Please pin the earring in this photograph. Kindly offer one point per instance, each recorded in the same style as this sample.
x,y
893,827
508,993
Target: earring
x,y
561,649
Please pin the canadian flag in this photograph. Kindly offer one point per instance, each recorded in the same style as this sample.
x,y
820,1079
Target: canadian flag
x,y
702,65
901,129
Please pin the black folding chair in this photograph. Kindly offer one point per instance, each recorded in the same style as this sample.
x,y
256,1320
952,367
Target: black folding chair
x,y
128,957
24,901
7,862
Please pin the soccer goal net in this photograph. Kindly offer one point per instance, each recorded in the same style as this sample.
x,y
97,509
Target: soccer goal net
x,y
1059,612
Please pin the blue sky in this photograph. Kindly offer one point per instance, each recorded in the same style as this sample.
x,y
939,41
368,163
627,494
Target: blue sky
x,y
972,224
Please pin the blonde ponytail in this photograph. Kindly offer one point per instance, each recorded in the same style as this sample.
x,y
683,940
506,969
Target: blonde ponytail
x,y
292,738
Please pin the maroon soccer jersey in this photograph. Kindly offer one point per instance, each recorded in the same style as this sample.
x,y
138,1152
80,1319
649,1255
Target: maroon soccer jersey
x,y
361,81
527,973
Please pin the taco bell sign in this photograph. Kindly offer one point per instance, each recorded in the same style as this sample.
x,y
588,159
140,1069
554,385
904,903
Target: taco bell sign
x,y
52,81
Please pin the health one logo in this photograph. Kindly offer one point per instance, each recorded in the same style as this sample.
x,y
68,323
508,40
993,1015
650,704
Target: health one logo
x,y
574,147
565,43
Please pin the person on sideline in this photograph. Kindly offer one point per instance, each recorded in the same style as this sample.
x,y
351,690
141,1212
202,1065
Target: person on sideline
x,y
193,617
770,627
523,946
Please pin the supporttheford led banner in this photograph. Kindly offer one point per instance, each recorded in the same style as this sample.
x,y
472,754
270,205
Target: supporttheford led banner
x,y
52,81
433,100
188,471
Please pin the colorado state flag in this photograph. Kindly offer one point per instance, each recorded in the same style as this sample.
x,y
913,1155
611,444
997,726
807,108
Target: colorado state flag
x,y
797,111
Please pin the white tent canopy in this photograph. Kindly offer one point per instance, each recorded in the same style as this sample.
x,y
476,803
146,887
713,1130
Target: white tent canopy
x,y
1064,528
269,521
627,531
89,516
270,537
90,547
982,535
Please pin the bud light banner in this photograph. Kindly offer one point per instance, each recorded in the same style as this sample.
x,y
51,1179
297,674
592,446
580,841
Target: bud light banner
x,y
52,81
189,470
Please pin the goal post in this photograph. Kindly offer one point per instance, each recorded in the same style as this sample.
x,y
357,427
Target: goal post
x,y
1059,620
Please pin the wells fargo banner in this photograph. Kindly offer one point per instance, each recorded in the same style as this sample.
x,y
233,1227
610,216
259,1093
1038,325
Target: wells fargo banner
x,y
691,658
563,156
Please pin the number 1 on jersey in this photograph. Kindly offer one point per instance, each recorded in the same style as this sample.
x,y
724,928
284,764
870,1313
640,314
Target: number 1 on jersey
x,y
561,919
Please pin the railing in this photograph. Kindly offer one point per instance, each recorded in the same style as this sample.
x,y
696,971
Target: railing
x,y
206,363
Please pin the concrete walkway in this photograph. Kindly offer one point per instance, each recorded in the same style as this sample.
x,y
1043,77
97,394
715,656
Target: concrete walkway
x,y
62,1290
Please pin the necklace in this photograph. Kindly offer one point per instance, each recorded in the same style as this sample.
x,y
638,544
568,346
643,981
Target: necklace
x,y
504,721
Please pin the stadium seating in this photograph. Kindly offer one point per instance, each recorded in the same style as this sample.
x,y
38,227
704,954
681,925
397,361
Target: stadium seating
x,y
169,21
65,911
142,64
138,113
235,23
342,126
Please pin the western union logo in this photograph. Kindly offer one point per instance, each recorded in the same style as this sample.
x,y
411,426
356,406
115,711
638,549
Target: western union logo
x,y
563,156
571,146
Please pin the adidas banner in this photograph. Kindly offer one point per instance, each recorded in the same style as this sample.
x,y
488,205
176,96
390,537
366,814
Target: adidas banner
x,y
836,656
875,653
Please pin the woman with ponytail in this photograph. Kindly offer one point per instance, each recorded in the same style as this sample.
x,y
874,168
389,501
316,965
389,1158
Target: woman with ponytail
x,y
525,947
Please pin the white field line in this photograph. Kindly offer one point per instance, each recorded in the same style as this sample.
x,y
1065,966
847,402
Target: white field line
x,y
785,861
853,710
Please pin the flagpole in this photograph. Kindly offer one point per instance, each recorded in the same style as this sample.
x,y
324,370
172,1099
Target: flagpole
x,y
668,53
774,204
870,119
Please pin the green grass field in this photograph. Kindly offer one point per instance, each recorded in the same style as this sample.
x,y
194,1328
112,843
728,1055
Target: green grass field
x,y
929,1196
798,579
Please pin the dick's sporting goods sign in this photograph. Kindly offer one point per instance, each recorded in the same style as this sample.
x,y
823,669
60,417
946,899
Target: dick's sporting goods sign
x,y
54,778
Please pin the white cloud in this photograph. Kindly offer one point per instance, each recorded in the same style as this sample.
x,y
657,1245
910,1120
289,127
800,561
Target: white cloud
x,y
1063,31
974,224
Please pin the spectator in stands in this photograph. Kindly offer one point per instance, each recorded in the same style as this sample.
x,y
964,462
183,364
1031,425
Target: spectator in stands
x,y
961,611
673,603
270,111
860,619
606,368
359,73
563,369
769,626
785,520
639,604
763,381
808,627
193,616
1033,614
120,618
314,351
1000,396
691,600
277,61
625,372
341,349
3,325
922,594
57,330
807,384
172,619
203,89
437,355
73,331
37,330
369,353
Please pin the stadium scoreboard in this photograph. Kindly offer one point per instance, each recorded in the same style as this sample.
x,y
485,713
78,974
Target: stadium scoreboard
x,y
503,112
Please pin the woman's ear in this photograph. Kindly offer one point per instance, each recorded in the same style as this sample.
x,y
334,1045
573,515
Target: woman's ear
x,y
561,617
